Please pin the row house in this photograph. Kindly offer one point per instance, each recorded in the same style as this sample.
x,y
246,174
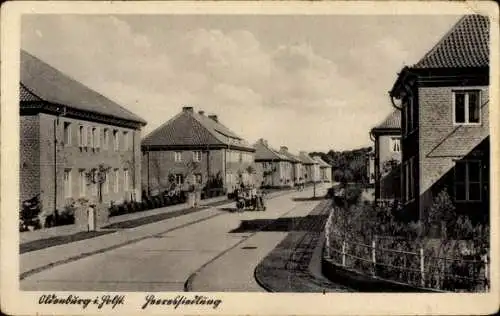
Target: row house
x,y
444,102
273,168
67,131
192,148
297,165
325,169
387,157
311,168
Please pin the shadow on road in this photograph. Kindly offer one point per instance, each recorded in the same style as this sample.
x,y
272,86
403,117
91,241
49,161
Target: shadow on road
x,y
305,199
306,223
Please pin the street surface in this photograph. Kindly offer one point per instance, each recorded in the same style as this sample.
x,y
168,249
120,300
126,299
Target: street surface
x,y
210,248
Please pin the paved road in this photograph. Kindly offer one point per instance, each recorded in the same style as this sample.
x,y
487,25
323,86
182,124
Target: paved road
x,y
217,250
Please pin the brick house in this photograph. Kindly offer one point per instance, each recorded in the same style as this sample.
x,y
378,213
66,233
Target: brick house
x,y
445,122
311,168
387,157
66,130
193,147
274,169
325,169
297,166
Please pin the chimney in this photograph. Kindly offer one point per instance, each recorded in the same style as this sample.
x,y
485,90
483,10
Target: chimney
x,y
187,109
201,112
214,118
283,148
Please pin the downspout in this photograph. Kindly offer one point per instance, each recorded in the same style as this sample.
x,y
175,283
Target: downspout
x,y
133,166
56,124
148,186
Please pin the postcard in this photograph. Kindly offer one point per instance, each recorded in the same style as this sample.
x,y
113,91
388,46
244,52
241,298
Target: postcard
x,y
257,158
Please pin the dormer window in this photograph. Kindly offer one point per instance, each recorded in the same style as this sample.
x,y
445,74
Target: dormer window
x,y
466,107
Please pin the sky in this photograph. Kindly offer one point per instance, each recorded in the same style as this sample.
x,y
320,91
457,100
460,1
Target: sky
x,y
312,83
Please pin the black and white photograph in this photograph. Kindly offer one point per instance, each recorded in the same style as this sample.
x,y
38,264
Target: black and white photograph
x,y
171,158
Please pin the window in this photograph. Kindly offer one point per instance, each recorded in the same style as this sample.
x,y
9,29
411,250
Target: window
x,y
67,183
395,144
177,156
90,135
466,107
116,182
82,136
125,180
97,137
83,182
240,157
67,133
468,180
125,141
105,142
197,155
116,140
94,188
179,179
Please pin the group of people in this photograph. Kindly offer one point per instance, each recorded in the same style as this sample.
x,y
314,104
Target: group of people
x,y
250,196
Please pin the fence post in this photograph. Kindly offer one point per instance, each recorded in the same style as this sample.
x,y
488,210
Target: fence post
x,y
486,273
373,257
343,252
422,267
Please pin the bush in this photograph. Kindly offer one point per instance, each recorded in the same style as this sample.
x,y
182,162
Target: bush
x,y
66,216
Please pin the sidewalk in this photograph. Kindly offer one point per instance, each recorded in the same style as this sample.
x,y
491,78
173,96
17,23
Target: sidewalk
x,y
41,259
65,230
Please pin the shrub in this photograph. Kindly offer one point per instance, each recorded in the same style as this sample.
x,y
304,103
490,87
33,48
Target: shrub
x,y
66,216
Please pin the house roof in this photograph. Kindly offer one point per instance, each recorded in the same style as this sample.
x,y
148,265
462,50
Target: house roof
x,y
188,128
289,155
265,152
391,122
322,163
42,82
465,45
307,159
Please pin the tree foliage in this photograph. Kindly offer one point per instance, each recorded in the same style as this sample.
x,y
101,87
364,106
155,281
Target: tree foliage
x,y
348,165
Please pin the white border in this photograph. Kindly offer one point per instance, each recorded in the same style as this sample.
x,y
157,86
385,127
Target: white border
x,y
15,302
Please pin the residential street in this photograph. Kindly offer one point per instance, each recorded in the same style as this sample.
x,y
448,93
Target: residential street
x,y
216,249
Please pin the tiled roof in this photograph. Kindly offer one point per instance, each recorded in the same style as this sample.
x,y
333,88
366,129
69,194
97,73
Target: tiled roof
x,y
289,155
41,81
264,152
192,129
392,121
306,158
465,45
322,163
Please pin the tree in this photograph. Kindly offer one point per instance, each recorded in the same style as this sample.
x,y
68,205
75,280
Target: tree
x,y
98,176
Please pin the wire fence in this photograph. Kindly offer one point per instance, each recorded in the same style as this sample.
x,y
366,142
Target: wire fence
x,y
408,262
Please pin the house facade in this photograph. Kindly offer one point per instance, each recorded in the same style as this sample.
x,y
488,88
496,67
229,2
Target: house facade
x,y
445,122
387,157
311,168
273,169
297,165
66,132
325,169
194,148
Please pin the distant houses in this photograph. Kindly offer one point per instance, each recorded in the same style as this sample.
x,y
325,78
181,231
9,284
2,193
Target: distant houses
x,y
311,168
325,169
444,104
194,148
387,157
71,139
273,168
